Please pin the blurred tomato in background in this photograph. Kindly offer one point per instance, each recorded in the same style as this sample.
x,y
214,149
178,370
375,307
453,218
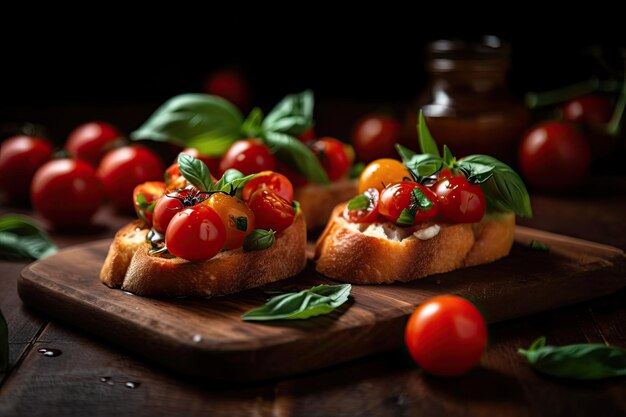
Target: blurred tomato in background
x,y
90,141
231,84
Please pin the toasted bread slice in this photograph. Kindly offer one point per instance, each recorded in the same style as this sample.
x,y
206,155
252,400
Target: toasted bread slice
x,y
227,272
383,253
318,201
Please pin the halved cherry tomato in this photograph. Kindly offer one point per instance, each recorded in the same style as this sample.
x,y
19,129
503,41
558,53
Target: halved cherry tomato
x,y
382,172
368,214
459,201
271,211
145,197
236,215
91,141
248,156
407,203
333,157
269,180
196,233
446,335
20,157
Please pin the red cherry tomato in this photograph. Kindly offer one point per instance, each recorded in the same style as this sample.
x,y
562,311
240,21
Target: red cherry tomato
x,y
446,335
271,211
122,169
591,110
374,137
458,200
20,157
230,84
196,234
400,196
366,215
248,156
307,136
554,156
296,179
269,180
145,197
66,192
91,141
333,157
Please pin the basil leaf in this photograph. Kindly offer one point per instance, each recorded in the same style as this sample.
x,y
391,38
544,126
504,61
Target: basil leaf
x,y
241,223
296,155
448,158
419,165
4,344
20,238
539,246
406,218
474,172
232,182
195,171
356,170
315,301
251,127
207,123
292,115
420,201
426,141
504,190
259,239
582,361
359,202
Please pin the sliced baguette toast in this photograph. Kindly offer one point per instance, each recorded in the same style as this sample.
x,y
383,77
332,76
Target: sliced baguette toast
x,y
318,201
383,253
130,267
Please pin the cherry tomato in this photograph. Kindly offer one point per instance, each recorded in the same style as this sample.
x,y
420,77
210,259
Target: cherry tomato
x,y
66,192
381,173
20,157
122,169
145,197
165,209
367,215
230,84
248,156
333,157
458,200
296,179
446,335
196,234
236,215
271,211
400,196
308,135
554,155
91,141
269,180
591,110
374,137
212,162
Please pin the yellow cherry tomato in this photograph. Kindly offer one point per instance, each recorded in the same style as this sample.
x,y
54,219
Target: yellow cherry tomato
x,y
382,172
236,215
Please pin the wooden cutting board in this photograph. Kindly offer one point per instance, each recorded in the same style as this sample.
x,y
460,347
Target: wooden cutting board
x,y
206,337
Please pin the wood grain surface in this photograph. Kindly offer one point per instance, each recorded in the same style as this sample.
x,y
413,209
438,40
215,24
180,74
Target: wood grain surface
x,y
207,338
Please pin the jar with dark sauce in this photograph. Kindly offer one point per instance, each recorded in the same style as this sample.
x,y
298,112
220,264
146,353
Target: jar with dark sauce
x,y
467,104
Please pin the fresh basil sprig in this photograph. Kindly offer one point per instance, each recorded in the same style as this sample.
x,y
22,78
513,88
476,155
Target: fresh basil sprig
x,y
297,156
426,140
582,361
207,123
292,115
22,239
259,239
196,172
315,301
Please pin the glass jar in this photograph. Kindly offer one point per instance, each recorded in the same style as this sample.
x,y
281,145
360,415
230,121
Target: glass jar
x,y
467,104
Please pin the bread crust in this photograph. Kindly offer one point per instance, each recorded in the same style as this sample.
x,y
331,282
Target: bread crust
x,y
228,272
318,201
346,252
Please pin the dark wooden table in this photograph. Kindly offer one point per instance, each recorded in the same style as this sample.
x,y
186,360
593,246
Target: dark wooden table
x,y
91,377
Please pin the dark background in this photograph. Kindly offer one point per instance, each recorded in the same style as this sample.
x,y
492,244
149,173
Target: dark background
x,y
62,80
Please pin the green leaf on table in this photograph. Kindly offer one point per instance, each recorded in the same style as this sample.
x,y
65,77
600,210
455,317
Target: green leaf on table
x,y
292,115
315,301
426,140
195,171
581,361
205,122
296,155
504,189
20,238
